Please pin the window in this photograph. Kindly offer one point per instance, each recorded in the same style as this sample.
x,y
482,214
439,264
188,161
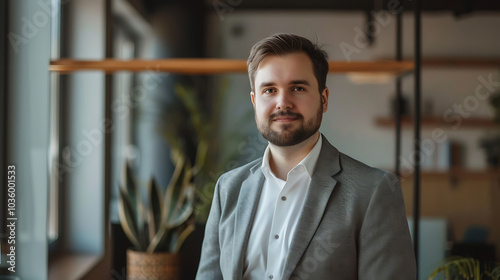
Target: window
x,y
3,120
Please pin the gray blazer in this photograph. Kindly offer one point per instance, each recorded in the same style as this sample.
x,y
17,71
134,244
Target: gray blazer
x,y
352,226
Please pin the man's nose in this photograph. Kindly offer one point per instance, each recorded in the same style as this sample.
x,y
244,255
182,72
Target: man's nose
x,y
283,102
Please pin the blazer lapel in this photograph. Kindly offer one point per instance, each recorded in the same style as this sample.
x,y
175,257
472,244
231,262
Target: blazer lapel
x,y
247,205
318,195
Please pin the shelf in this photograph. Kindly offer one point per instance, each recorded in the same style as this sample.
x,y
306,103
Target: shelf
x,y
214,66
459,173
464,173
455,62
406,122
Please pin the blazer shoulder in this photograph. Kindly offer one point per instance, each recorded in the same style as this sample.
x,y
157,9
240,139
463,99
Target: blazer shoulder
x,y
242,172
231,184
363,173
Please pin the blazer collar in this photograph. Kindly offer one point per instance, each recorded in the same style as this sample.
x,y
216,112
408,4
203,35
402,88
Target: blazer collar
x,y
318,195
248,200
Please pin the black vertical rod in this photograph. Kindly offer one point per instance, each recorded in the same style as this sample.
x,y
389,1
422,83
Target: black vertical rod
x,y
108,135
417,72
397,107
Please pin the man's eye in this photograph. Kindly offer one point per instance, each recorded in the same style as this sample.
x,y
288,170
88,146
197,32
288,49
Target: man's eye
x,y
269,90
298,89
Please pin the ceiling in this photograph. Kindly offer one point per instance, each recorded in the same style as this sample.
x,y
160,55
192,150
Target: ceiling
x,y
458,7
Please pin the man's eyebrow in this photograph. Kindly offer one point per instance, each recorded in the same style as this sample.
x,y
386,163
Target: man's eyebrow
x,y
294,82
300,82
267,84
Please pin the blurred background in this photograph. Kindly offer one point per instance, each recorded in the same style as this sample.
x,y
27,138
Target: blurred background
x,y
71,133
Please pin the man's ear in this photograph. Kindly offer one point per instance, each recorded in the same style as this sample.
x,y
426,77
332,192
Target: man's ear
x,y
252,96
324,99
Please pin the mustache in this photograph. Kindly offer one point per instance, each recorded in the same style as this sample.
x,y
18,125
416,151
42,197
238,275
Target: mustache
x,y
284,114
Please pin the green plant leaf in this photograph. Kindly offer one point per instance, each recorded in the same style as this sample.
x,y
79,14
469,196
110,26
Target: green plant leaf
x,y
154,210
138,213
453,267
130,187
176,178
185,188
495,272
127,221
179,160
201,157
182,237
182,214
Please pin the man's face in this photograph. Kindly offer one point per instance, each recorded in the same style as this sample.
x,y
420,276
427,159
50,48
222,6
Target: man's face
x,y
288,106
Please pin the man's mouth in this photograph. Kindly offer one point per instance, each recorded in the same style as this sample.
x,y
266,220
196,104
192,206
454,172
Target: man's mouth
x,y
285,117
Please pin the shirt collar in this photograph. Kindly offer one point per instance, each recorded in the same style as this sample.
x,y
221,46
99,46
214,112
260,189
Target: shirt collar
x,y
309,162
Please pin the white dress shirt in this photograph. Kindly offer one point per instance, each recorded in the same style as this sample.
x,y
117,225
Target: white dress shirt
x,y
277,216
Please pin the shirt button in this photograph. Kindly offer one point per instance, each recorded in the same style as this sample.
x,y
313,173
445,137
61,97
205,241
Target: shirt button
x,y
271,277
276,236
283,198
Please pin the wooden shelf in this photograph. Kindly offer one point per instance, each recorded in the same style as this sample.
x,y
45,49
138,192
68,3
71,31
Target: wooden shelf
x,y
472,122
457,173
214,66
455,62
463,173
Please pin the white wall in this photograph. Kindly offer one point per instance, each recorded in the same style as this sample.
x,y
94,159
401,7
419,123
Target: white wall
x,y
349,122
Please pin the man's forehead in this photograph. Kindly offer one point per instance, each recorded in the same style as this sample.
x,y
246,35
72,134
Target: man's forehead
x,y
287,68
294,56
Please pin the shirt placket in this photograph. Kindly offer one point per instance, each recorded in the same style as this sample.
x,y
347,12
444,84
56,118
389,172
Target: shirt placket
x,y
276,237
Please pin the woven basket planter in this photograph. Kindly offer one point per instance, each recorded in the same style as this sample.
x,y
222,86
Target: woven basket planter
x,y
152,266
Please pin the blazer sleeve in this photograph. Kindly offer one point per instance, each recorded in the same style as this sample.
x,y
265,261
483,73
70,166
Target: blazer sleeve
x,y
209,267
385,246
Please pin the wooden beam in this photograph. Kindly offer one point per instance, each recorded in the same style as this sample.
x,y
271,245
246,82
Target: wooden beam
x,y
194,66
439,122
457,62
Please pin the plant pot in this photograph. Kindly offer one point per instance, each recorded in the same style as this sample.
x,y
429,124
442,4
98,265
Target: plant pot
x,y
152,266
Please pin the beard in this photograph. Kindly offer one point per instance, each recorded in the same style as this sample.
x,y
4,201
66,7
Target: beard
x,y
288,136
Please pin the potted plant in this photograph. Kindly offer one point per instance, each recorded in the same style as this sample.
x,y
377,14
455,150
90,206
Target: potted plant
x,y
157,224
190,126
463,268
191,129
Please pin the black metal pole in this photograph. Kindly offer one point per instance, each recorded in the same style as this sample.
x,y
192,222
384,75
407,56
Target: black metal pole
x,y
108,135
416,198
397,107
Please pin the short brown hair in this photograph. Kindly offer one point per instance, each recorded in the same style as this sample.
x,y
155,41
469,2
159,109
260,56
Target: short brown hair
x,y
282,44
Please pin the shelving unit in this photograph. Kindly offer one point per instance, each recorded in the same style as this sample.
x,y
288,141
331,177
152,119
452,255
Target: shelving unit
x,y
431,121
454,173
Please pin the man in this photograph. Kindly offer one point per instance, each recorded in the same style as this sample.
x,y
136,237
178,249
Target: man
x,y
304,210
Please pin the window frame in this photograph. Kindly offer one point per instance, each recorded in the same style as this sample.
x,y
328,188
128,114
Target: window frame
x,y
3,115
